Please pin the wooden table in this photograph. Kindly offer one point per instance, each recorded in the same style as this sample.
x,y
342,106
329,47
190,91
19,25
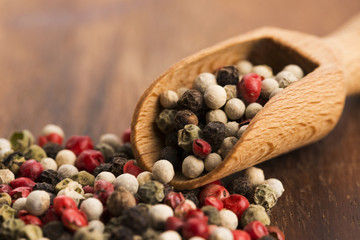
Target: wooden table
x,y
84,64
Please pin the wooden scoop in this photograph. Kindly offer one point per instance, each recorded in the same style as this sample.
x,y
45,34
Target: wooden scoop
x,y
303,113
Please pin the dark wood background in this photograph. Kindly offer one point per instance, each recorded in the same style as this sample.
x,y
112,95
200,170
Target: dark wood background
x,y
84,64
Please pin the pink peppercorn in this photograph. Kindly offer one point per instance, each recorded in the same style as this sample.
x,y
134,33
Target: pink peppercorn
x,y
78,144
250,87
30,219
4,188
22,182
31,169
195,227
213,201
126,135
201,148
236,203
88,189
276,233
73,219
240,235
88,160
52,137
50,215
213,190
62,203
131,168
256,230
20,192
174,223
196,213
103,189
173,199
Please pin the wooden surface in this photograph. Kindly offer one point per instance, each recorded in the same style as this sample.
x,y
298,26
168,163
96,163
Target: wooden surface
x,y
84,64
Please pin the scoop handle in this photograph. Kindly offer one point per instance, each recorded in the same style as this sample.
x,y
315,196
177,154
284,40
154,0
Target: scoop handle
x,y
346,44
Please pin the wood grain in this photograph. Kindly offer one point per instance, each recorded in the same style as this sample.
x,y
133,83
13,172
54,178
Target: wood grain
x,y
84,64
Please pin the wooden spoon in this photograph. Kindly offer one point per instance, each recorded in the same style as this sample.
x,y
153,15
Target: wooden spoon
x,y
303,113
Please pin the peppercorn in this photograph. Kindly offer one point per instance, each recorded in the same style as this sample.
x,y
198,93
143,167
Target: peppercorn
x,y
252,109
45,187
65,157
268,85
231,129
106,150
103,167
276,233
144,177
120,200
67,171
5,199
240,186
213,214
51,149
294,69
231,92
263,70
214,133
136,220
203,81
92,208
244,67
285,78
255,176
63,184
124,151
37,202
34,152
49,176
234,109
13,161
192,100
163,171
250,87
276,185
6,176
212,161
107,176
96,225
192,166
151,234
187,135
165,120
6,212
171,154
217,115
201,148
228,219
241,131
226,146
167,189
151,192
215,97
221,233
276,91
110,139
121,233
85,233
265,196
48,163
158,215
10,228
128,181
21,140
168,99
255,213
184,117
84,178
228,75
117,167
192,195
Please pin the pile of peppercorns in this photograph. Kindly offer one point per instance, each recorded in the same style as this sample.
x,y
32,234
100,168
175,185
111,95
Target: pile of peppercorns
x,y
81,191
202,124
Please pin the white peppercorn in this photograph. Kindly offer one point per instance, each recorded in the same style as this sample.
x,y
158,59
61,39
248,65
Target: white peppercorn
x,y
168,99
241,131
37,202
231,129
181,91
212,161
263,70
158,214
4,144
203,81
255,176
231,91
106,176
216,115
170,235
276,91
111,139
144,177
234,109
96,225
276,185
295,69
221,233
67,171
244,67
6,176
268,85
285,78
228,219
215,97
227,144
48,164
65,157
19,204
127,181
192,166
252,109
163,171
92,208
52,128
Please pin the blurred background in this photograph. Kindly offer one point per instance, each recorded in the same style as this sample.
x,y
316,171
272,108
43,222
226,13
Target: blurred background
x,y
83,65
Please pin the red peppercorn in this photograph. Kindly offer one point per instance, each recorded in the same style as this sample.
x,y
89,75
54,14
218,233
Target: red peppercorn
x,y
22,182
173,199
213,190
52,137
88,160
236,203
4,188
20,192
103,189
213,201
276,233
50,215
30,219
195,227
240,235
250,87
89,189
201,148
31,169
62,203
256,230
78,144
196,213
173,223
126,135
73,219
131,168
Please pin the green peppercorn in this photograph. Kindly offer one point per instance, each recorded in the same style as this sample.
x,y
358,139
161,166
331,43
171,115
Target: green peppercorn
x,y
255,213
21,140
213,215
10,229
84,178
34,152
151,192
187,136
265,196
63,184
31,232
13,161
6,212
107,150
165,120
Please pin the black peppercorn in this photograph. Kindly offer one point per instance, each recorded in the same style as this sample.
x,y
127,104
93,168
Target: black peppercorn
x,y
214,133
49,176
240,186
192,195
192,100
136,220
13,161
184,117
106,150
121,233
51,149
117,166
228,75
172,154
171,139
124,151
151,192
168,188
44,186
104,167
53,230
